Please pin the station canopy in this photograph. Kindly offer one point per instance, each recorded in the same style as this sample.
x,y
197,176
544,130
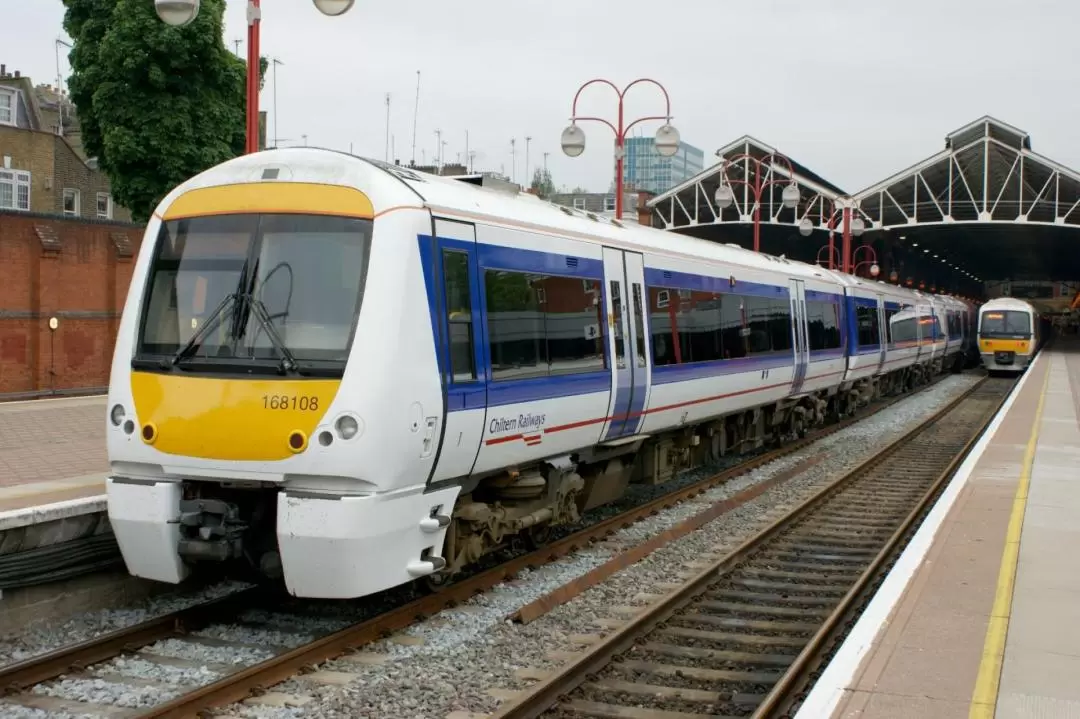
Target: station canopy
x,y
986,208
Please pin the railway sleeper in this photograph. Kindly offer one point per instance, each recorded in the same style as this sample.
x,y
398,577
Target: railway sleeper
x,y
660,692
717,655
733,638
765,598
761,610
765,625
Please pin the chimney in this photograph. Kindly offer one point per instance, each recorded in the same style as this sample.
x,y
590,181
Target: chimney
x,y
17,75
3,70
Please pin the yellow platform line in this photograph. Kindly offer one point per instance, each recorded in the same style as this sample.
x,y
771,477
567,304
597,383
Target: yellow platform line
x,y
984,698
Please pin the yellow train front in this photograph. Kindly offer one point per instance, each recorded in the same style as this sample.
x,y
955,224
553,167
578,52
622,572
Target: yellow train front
x,y
1008,335
270,403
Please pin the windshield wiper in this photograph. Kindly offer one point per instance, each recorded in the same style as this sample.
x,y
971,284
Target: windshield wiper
x,y
211,323
288,361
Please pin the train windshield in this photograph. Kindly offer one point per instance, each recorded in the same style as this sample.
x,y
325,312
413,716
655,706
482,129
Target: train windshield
x,y
1006,324
249,292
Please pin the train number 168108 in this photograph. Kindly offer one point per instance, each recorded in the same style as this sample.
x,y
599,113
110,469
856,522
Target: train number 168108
x,y
284,401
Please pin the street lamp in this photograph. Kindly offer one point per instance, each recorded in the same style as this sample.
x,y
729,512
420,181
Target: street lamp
x,y
666,140
725,196
179,13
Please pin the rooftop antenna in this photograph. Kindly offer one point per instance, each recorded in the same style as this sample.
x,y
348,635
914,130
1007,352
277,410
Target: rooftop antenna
x,y
386,150
545,162
416,110
274,63
467,149
528,139
60,82
438,149
236,42
513,159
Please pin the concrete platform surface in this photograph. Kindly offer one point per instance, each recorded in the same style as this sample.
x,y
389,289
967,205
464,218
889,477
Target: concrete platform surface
x,y
51,450
981,616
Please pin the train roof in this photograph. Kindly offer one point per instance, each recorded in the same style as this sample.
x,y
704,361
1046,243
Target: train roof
x,y
467,200
1008,303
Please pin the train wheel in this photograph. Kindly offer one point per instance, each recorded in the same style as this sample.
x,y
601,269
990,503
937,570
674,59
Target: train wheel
x,y
536,537
435,583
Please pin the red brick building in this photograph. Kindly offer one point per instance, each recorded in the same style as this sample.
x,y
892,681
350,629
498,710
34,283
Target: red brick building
x,y
76,271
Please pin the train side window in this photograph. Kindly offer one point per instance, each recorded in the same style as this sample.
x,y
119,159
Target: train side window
x,y
573,317
620,336
780,325
639,325
540,325
665,326
759,311
867,318
459,315
699,326
823,323
515,325
734,328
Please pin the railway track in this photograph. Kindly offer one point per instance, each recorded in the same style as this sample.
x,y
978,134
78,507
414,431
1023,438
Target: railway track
x,y
228,684
746,635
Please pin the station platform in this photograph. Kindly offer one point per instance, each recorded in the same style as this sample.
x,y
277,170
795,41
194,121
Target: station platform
x,y
980,616
52,452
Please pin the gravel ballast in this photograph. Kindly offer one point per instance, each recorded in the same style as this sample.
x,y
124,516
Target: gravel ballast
x,y
453,659
469,650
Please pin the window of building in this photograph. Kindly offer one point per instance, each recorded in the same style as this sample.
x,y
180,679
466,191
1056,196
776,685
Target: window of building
x,y
71,201
542,325
14,190
104,206
609,204
696,326
869,328
579,203
9,106
823,325
459,315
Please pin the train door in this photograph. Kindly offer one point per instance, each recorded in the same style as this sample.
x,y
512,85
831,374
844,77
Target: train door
x,y
460,338
883,337
627,308
802,347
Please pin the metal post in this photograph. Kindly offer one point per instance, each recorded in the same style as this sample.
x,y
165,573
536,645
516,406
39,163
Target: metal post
x,y
620,148
253,17
846,259
621,130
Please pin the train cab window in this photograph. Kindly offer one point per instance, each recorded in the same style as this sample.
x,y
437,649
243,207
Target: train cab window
x,y
541,325
823,325
459,315
869,328
1005,324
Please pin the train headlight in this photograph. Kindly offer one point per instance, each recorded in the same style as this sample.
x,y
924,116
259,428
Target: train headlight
x,y
347,427
117,414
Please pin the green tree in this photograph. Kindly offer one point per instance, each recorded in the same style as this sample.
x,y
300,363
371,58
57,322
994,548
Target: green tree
x,y
157,104
542,183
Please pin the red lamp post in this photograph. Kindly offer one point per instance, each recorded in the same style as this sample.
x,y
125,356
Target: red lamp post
x,y
179,13
667,137
870,261
725,196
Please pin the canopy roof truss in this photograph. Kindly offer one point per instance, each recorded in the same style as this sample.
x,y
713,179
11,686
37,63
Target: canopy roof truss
x,y
987,173
693,202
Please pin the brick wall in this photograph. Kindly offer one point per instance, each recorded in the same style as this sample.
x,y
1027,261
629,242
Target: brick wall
x,y
75,270
72,172
31,152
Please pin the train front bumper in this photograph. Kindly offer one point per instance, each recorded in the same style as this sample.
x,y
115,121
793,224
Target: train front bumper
x,y
331,546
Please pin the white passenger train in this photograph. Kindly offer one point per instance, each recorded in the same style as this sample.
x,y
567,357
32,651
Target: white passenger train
x,y
1009,334
350,375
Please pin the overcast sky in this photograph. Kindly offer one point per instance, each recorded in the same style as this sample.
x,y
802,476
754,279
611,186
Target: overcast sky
x,y
855,89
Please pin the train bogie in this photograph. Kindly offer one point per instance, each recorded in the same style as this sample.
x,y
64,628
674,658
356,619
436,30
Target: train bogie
x,y
348,376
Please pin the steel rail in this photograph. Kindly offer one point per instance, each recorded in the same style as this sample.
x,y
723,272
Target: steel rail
x,y
19,676
543,696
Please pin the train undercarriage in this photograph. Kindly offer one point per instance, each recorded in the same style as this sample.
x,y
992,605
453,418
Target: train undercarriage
x,y
235,524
